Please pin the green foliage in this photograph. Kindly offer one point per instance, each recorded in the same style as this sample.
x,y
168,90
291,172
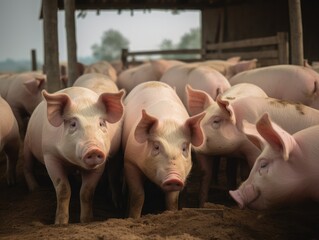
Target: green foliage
x,y
111,46
190,40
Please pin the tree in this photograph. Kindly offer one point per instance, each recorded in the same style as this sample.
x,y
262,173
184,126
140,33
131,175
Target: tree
x,y
111,46
190,40
167,44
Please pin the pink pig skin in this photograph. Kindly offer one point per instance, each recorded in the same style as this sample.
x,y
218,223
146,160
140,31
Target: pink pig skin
x,y
9,140
288,82
198,77
100,83
23,93
286,171
102,67
69,130
223,122
157,134
149,71
208,161
229,67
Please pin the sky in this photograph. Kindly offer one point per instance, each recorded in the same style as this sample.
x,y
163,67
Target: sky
x,y
22,30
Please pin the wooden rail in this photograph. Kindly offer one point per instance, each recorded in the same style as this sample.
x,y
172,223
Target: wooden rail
x,y
130,57
268,50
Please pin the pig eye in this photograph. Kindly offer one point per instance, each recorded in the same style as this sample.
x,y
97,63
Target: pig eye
x,y
72,125
263,166
156,148
102,123
185,149
216,121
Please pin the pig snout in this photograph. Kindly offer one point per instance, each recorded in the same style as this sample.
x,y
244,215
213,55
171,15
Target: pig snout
x,y
94,157
244,196
173,182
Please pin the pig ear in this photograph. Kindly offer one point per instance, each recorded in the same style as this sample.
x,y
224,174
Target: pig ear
x,y
35,85
234,59
197,100
193,123
144,127
114,106
226,107
275,135
252,134
243,66
55,105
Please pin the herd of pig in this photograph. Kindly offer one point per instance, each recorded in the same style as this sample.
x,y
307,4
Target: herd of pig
x,y
147,122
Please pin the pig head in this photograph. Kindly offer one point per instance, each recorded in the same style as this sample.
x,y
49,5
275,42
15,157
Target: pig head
x,y
285,172
23,93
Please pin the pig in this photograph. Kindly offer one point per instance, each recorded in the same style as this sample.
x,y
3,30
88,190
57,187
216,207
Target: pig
x,y
287,170
97,82
101,83
23,93
288,82
197,100
69,131
230,67
224,118
9,140
64,78
199,77
149,71
157,137
103,67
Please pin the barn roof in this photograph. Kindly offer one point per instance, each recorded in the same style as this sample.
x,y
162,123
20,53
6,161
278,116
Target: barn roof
x,y
148,4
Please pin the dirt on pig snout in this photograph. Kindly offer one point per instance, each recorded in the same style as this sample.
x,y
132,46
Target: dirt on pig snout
x,y
25,215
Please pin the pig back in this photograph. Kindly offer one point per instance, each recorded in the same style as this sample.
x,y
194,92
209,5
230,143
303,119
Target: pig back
x,y
97,82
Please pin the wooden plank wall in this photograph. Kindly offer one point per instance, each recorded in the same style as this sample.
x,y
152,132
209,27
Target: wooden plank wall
x,y
268,50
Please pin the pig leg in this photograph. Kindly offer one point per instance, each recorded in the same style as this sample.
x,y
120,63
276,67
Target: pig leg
x,y
205,166
62,187
90,180
12,153
115,178
134,180
28,169
171,199
231,172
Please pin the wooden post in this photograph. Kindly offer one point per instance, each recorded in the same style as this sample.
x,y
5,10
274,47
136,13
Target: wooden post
x,y
209,20
34,66
124,58
73,71
296,38
51,51
283,48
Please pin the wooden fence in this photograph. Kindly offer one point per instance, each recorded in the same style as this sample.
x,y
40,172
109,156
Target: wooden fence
x,y
268,50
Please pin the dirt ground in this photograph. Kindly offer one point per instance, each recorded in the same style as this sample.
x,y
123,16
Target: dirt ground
x,y
25,215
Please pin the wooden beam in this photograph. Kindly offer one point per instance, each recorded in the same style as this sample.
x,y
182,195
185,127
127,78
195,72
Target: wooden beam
x,y
296,35
73,71
51,51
